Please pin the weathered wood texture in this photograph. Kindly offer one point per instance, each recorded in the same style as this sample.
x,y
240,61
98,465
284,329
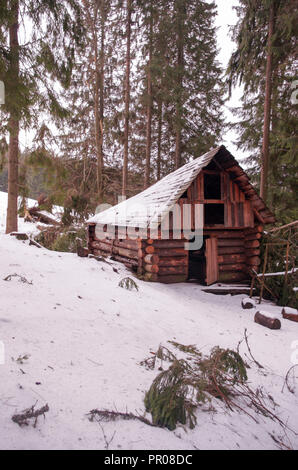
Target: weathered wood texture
x,y
165,261
232,249
252,247
128,252
272,323
289,316
212,261
231,257
237,209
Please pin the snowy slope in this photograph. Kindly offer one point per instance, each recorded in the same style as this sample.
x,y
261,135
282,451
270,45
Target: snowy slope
x,y
86,337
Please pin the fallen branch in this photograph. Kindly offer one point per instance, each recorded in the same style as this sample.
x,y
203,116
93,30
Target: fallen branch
x,y
276,229
249,350
22,419
106,415
22,278
32,242
286,382
281,444
176,393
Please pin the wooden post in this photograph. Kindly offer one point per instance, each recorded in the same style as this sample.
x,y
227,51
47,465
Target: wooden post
x,y
252,285
264,270
287,261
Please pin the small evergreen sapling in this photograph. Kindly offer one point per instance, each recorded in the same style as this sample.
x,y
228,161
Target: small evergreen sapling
x,y
128,283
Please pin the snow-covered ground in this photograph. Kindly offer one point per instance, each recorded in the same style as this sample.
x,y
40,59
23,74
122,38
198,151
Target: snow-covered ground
x,y
22,226
85,338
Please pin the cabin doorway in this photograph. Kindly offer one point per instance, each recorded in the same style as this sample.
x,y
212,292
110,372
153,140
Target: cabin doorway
x,y
203,263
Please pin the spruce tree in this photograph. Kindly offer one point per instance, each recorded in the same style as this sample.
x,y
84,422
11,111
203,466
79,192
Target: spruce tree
x,y
127,96
186,90
267,118
30,91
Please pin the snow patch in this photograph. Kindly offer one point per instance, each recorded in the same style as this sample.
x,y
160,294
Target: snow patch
x,y
85,337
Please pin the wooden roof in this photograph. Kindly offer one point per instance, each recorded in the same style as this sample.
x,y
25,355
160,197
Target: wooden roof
x,y
148,208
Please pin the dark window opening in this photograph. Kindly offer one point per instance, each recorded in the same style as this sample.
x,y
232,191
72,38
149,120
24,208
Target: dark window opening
x,y
212,166
214,214
184,195
212,186
92,230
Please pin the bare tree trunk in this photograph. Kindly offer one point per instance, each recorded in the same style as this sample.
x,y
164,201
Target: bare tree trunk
x,y
14,125
159,137
267,109
180,66
97,129
273,160
127,98
149,108
101,95
98,91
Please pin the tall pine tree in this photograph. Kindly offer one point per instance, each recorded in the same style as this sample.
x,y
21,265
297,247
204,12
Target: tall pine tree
x,y
265,63
55,26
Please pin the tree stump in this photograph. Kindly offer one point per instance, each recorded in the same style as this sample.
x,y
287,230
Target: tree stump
x,y
82,251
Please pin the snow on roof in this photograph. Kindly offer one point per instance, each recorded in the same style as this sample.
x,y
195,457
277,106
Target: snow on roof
x,y
148,208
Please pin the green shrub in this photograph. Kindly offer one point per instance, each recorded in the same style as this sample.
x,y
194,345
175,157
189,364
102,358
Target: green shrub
x,y
55,239
67,240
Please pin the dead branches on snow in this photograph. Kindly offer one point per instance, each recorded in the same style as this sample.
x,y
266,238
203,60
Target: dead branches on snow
x,y
23,418
21,279
287,380
106,415
249,350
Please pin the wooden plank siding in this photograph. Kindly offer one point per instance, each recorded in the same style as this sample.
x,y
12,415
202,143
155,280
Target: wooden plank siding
x,y
238,210
212,264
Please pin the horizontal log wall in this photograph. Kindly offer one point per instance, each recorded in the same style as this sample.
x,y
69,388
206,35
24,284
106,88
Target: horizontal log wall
x,y
252,247
165,261
128,252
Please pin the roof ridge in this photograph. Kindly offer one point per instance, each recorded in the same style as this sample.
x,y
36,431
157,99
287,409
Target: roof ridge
x,y
149,207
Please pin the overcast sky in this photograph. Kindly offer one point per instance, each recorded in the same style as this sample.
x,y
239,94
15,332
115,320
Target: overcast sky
x,y
227,17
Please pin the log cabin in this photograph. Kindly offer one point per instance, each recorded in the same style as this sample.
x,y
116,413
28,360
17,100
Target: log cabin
x,y
232,217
